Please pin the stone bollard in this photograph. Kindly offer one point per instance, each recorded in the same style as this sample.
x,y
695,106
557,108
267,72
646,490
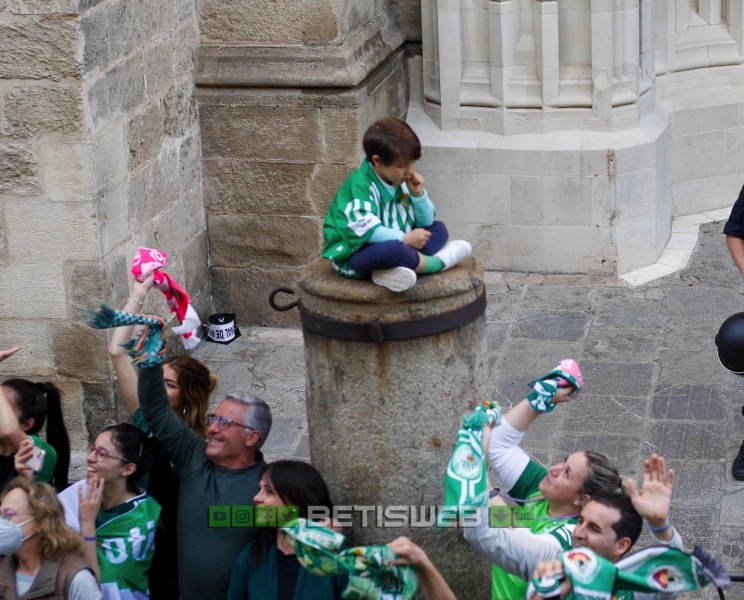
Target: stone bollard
x,y
383,413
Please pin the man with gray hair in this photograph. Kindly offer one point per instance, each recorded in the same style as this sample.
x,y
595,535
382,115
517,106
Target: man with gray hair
x,y
216,477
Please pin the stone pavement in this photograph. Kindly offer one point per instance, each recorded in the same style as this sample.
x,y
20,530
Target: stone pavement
x,y
653,380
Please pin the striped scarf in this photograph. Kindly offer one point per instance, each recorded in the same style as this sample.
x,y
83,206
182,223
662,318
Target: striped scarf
x,y
148,348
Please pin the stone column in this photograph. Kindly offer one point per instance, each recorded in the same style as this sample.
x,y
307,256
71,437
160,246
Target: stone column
x,y
546,42
602,57
383,416
735,18
504,27
646,59
710,11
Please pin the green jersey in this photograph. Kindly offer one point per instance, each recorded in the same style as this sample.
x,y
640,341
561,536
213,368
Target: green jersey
x,y
125,542
361,205
510,587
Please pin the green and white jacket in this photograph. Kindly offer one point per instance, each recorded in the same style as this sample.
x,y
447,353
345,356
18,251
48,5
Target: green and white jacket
x,y
363,204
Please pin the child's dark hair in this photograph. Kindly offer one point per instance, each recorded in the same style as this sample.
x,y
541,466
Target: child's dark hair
x,y
134,447
297,483
391,139
42,402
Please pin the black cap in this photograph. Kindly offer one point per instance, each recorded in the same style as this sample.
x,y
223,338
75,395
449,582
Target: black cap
x,y
730,343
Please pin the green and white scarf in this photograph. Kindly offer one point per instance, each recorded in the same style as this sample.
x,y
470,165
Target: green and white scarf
x,y
655,569
148,348
466,480
371,574
544,388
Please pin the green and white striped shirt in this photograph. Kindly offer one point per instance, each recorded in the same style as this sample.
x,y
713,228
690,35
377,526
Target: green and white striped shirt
x,y
363,204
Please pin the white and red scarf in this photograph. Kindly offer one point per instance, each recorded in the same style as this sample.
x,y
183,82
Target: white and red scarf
x,y
147,261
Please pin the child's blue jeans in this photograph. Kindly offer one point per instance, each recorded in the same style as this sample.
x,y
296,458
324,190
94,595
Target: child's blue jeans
x,y
387,255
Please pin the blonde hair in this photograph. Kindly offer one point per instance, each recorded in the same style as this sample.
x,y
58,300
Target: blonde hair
x,y
602,475
55,537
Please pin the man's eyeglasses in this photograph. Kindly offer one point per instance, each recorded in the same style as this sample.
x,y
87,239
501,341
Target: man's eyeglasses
x,y
102,454
224,423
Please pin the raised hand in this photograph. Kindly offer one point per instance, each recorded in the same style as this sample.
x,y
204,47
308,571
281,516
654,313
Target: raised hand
x,y
416,184
25,451
563,394
140,288
8,353
408,552
550,582
90,504
654,500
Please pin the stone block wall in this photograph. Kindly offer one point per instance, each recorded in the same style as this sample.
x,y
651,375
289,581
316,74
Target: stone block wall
x,y
272,164
143,148
281,127
48,233
99,154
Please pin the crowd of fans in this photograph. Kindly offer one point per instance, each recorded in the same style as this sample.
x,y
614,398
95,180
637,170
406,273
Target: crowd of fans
x,y
139,525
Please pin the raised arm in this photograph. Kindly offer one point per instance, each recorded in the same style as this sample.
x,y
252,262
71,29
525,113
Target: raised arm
x,y
433,585
517,551
11,433
10,430
505,456
8,353
654,500
178,440
523,415
89,504
126,374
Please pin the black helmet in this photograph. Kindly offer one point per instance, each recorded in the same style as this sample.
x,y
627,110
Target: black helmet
x,y
730,343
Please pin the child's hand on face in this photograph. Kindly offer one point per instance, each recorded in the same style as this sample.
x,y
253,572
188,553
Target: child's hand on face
x,y
417,238
416,184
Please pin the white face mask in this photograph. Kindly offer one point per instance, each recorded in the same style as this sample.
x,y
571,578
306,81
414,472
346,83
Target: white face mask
x,y
11,536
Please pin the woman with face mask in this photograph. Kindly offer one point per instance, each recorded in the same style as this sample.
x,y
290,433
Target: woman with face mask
x,y
43,556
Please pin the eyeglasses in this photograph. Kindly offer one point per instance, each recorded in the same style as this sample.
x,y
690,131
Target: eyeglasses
x,y
102,454
224,423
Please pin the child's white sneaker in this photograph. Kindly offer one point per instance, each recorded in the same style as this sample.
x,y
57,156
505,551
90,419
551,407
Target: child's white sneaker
x,y
453,252
397,279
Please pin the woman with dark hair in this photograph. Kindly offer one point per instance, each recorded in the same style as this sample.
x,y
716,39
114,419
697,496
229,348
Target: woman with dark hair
x,y
267,568
25,406
43,556
188,384
113,514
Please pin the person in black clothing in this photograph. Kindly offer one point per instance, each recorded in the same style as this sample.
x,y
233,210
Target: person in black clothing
x,y
267,567
734,232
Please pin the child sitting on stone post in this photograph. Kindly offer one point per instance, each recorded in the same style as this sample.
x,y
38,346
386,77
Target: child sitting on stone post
x,y
381,222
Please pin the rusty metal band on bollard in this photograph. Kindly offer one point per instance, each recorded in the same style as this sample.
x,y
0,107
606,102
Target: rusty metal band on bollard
x,y
378,331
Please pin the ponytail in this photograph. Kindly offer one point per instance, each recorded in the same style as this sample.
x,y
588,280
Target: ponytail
x,y
56,435
42,402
